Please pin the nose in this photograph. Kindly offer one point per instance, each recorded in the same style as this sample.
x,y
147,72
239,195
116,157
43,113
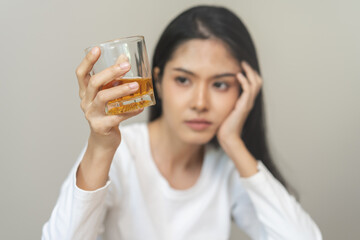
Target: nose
x,y
200,101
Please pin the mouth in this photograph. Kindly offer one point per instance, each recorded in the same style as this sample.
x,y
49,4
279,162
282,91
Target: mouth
x,y
198,124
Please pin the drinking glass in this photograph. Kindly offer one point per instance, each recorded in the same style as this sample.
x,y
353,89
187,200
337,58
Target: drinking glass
x,y
132,49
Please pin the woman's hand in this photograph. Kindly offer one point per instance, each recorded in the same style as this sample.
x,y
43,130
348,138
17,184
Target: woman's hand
x,y
232,126
105,137
230,130
104,128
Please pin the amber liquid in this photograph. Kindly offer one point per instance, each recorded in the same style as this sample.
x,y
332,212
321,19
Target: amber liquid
x,y
133,101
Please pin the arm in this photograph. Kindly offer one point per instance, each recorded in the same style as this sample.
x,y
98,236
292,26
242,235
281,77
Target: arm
x,y
105,135
265,210
78,214
278,212
278,215
81,207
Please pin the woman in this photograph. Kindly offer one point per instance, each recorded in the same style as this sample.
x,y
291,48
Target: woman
x,y
200,162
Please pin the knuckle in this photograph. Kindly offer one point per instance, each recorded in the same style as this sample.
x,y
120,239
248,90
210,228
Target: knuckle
x,y
101,97
88,117
78,72
89,57
81,94
93,83
114,70
83,106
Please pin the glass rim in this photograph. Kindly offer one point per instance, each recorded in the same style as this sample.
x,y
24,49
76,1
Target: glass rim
x,y
115,41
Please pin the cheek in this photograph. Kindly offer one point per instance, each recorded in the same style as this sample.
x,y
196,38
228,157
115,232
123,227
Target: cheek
x,y
225,105
173,98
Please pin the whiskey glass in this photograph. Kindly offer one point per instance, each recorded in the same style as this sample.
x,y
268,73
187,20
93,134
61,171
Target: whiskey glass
x,y
133,50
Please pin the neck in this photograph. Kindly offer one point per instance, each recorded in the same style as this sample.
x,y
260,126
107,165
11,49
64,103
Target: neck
x,y
169,151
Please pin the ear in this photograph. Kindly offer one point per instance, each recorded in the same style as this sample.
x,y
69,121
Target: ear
x,y
157,81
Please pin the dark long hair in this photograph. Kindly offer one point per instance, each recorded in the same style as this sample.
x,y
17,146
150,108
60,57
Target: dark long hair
x,y
205,22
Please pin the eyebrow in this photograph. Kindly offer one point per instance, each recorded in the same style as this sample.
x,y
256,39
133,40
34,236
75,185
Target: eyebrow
x,y
224,75
185,71
214,77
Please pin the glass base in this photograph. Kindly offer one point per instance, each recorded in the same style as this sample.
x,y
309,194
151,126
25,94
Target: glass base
x,y
121,106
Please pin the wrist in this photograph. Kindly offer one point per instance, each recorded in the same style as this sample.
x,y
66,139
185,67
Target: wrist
x,y
237,151
103,143
94,168
230,142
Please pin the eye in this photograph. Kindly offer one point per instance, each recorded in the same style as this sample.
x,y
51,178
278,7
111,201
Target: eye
x,y
221,85
182,80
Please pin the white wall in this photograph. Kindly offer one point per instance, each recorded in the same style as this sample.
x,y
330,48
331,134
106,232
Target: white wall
x,y
309,53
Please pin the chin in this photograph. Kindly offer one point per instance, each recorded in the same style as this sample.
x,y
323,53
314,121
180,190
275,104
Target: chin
x,y
199,138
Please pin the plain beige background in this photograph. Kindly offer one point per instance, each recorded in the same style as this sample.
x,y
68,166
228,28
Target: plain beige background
x,y
310,58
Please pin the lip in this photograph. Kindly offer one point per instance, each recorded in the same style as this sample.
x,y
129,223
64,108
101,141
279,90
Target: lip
x,y
198,124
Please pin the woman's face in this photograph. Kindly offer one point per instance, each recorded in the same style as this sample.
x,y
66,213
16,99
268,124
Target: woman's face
x,y
198,90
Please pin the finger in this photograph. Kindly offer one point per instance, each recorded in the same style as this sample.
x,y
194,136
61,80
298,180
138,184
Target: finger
x,y
253,77
247,95
122,58
83,70
107,95
250,72
103,96
245,85
104,77
259,82
259,79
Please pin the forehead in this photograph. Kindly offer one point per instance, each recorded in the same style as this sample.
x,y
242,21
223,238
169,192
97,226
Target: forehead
x,y
209,55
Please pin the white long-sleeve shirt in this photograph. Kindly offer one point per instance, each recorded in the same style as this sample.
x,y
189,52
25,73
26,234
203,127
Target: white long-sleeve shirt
x,y
137,202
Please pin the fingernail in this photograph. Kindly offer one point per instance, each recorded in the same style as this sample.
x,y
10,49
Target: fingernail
x,y
133,85
95,50
124,65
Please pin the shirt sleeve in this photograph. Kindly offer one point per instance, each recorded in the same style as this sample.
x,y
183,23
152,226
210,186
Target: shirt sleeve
x,y
78,214
265,210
